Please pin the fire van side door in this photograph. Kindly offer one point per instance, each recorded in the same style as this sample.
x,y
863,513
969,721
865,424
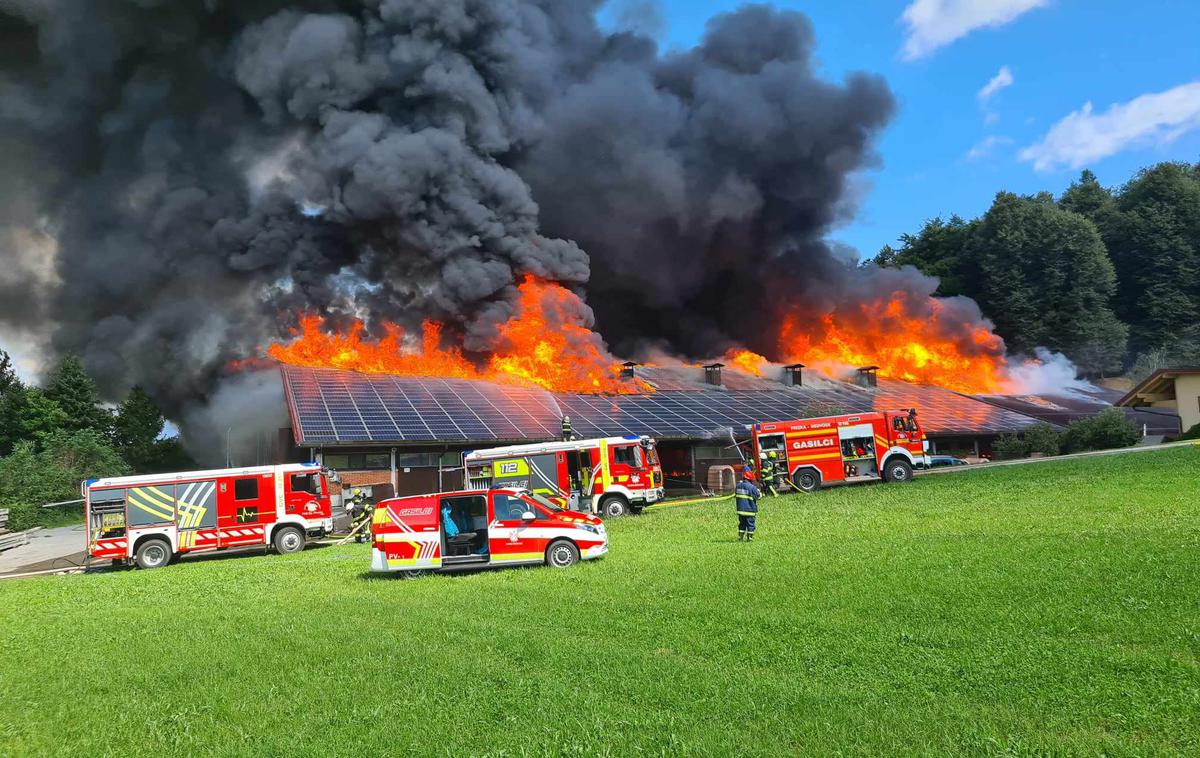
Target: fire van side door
x,y
507,542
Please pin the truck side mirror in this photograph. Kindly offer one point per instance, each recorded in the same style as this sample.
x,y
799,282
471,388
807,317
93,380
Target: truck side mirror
x,y
527,516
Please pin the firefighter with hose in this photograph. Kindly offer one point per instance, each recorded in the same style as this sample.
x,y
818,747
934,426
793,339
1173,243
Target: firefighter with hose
x,y
767,470
360,510
746,497
779,476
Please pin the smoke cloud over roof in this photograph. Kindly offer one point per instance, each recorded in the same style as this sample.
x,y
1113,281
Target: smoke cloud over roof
x,y
207,168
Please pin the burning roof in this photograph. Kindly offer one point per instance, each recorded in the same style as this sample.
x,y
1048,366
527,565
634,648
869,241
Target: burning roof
x,y
330,406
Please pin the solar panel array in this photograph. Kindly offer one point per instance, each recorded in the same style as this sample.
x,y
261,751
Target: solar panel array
x,y
692,415
942,411
329,405
333,406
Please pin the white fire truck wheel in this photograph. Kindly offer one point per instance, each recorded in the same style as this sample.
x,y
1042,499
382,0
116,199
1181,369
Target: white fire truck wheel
x,y
288,539
806,480
898,470
153,554
562,554
613,506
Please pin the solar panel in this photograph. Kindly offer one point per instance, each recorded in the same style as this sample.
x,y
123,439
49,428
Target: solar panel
x,y
329,405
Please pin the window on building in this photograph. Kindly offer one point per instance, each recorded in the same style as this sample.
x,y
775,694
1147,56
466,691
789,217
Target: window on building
x,y
422,460
245,489
357,461
712,452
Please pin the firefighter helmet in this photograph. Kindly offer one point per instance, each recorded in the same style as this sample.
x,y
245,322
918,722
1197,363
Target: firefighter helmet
x,y
771,455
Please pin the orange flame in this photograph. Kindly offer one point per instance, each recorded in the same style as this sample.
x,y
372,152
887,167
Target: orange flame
x,y
903,341
545,342
751,363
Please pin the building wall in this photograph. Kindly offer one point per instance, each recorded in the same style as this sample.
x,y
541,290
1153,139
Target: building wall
x,y
1187,400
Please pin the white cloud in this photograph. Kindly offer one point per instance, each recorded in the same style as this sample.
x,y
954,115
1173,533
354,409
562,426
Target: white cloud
x,y
936,23
1002,79
985,146
1085,136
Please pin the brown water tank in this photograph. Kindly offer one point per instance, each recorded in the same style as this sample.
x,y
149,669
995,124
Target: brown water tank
x,y
721,478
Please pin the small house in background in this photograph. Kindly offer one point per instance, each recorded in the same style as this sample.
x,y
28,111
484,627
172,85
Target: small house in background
x,y
1176,390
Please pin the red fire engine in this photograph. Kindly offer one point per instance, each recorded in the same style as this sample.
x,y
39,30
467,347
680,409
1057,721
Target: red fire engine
x,y
611,476
480,528
815,452
153,518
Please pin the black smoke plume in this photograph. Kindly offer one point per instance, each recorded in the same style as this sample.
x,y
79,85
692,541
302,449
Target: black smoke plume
x,y
206,168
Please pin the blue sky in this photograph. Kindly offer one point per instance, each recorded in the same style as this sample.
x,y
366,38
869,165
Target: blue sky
x,y
1060,54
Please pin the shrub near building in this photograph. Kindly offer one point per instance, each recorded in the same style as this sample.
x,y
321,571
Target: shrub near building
x,y
1104,431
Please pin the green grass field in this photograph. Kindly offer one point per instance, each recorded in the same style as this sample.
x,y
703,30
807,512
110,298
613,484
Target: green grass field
x,y
1048,609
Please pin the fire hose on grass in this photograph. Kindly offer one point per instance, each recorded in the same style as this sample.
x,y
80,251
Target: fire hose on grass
x,y
693,501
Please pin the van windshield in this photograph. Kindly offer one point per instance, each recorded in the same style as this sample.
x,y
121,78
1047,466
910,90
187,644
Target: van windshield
x,y
544,502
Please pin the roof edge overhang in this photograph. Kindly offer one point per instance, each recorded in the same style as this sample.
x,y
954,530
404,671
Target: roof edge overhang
x,y
1160,375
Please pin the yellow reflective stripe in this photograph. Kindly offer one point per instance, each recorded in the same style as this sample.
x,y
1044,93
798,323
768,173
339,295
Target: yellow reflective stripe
x,y
745,496
815,456
605,477
147,507
746,513
156,498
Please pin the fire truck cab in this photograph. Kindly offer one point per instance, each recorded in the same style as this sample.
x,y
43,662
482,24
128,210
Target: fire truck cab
x,y
154,518
817,452
480,529
610,476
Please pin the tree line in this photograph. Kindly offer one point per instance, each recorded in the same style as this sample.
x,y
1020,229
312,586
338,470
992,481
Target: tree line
x,y
1109,277
55,436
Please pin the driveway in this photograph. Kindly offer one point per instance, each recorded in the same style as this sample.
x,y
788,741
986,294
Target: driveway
x,y
47,548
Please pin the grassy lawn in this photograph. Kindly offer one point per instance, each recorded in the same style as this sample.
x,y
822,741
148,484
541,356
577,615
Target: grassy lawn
x,y
1041,609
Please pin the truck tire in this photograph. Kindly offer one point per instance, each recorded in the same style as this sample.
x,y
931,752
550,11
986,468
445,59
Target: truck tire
x,y
806,480
288,539
897,470
613,506
561,554
153,554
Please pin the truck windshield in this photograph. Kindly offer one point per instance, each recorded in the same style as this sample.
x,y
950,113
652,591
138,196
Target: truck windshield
x,y
652,455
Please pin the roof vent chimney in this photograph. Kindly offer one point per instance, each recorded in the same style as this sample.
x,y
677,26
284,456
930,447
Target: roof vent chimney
x,y
627,369
866,376
712,374
793,375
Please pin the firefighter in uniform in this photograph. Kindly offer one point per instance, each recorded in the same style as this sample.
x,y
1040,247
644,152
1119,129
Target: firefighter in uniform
x,y
778,477
768,472
566,429
360,511
746,496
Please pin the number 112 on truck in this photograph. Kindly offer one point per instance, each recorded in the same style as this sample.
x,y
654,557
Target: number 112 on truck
x,y
609,476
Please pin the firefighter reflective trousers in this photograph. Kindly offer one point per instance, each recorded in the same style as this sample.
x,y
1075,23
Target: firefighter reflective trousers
x,y
745,525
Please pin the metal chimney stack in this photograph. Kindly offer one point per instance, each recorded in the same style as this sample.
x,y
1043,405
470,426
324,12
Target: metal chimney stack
x,y
627,369
867,376
712,374
793,375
